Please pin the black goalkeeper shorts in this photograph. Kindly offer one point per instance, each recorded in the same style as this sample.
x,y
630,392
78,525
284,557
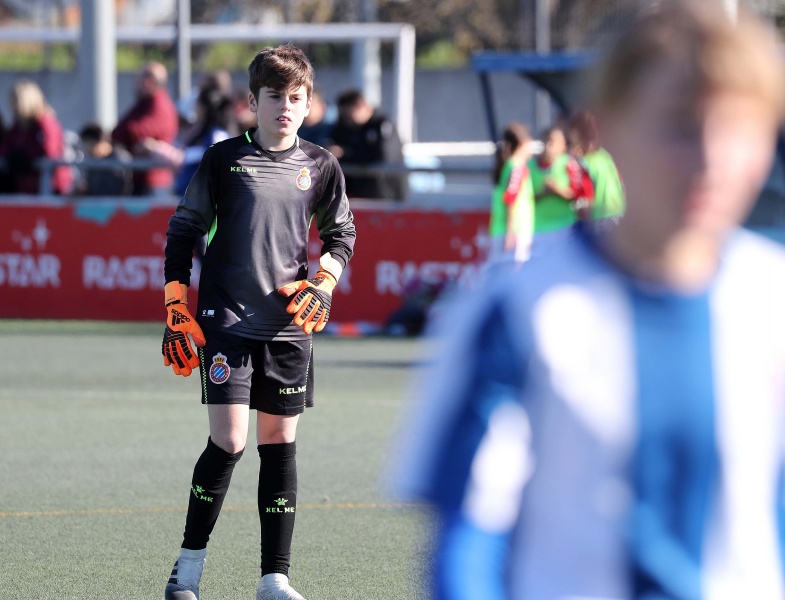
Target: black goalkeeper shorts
x,y
272,377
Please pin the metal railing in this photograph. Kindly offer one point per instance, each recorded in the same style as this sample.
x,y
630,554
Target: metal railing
x,y
470,188
467,179
47,166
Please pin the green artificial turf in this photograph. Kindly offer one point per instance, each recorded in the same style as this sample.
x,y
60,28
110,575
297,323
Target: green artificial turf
x,y
97,445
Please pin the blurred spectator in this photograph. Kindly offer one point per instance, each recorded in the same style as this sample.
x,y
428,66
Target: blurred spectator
x,y
363,138
554,197
214,122
417,298
35,134
585,145
512,202
609,422
219,81
154,116
318,125
115,181
242,112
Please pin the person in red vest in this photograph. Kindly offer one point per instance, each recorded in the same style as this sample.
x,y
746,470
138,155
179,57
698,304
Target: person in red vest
x,y
154,116
35,133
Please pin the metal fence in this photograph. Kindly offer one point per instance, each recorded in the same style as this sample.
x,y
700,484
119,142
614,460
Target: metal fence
x,y
458,176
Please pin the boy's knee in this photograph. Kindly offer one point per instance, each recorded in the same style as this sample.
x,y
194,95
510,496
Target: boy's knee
x,y
276,429
231,442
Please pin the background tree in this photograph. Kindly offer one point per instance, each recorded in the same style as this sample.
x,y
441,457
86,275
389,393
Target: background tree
x,y
448,31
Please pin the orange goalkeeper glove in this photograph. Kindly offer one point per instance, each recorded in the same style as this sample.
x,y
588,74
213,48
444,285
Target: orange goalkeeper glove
x,y
176,348
312,299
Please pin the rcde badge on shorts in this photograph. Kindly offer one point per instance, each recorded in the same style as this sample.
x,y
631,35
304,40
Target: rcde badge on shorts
x,y
219,370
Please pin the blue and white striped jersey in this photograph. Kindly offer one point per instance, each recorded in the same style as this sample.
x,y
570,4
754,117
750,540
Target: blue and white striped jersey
x,y
587,437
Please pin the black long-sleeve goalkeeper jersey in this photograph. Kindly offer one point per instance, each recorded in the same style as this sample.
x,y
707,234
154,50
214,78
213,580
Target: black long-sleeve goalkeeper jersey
x,y
256,207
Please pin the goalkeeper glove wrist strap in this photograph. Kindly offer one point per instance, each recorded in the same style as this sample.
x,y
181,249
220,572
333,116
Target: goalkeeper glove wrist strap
x,y
175,293
323,273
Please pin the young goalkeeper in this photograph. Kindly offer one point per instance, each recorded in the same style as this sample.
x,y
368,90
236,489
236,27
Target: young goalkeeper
x,y
254,196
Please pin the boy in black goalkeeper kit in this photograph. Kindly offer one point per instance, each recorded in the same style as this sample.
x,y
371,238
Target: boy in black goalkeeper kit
x,y
254,196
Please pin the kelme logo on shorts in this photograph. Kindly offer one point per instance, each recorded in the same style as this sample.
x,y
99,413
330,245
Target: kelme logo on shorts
x,y
287,391
219,370
304,179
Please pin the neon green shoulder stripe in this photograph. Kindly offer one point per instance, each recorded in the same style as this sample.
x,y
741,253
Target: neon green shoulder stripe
x,y
213,229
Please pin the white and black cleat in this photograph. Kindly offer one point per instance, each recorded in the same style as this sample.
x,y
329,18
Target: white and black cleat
x,y
183,583
275,586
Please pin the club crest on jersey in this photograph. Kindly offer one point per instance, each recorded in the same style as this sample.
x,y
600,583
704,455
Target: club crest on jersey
x,y
304,179
219,370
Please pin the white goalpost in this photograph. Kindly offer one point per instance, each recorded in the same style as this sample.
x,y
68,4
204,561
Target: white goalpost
x,y
98,39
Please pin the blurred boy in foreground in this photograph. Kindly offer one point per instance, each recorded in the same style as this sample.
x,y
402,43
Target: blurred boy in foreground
x,y
607,422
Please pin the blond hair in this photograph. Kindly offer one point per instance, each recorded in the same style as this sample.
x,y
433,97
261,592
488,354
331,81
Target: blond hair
x,y
698,36
27,100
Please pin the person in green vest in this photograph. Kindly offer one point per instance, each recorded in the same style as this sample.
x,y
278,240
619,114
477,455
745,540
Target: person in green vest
x,y
553,195
609,202
512,204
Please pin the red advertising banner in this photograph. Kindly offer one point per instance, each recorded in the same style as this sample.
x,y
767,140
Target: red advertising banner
x,y
104,259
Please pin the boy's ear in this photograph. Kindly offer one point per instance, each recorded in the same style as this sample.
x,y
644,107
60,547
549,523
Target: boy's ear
x,y
251,102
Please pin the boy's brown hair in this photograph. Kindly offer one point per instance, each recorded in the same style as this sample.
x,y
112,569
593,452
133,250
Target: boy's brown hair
x,y
282,68
716,53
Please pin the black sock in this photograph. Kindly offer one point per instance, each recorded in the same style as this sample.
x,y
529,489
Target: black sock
x,y
212,474
277,504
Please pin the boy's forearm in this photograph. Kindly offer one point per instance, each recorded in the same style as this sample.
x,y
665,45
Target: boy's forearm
x,y
185,230
334,267
339,252
179,257
335,222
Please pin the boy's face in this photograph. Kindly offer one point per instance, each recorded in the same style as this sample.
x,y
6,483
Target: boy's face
x,y
279,114
688,163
